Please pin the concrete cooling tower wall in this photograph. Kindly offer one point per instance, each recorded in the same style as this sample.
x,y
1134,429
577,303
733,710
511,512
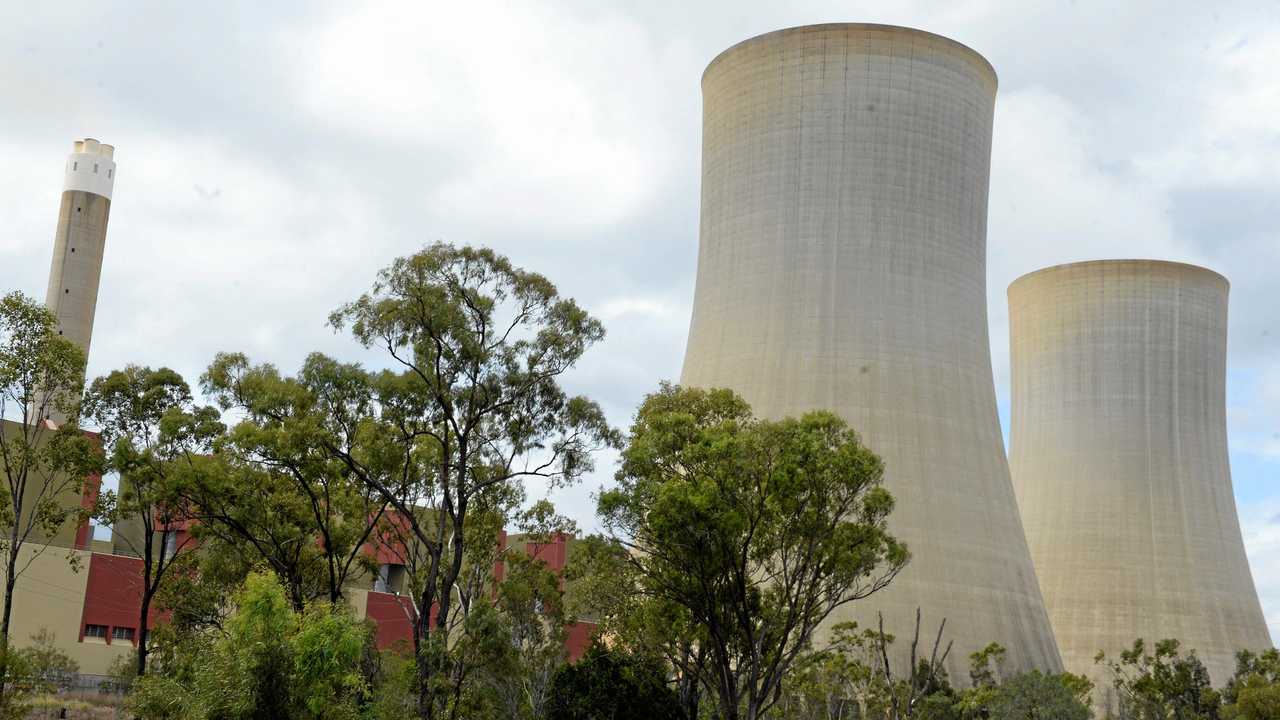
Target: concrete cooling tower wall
x,y
842,266
1119,457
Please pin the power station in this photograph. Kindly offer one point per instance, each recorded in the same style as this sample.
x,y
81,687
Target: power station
x,y
1118,447
842,266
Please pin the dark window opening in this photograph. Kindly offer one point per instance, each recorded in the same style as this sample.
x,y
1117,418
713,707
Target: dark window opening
x,y
95,631
391,579
75,165
73,249
109,172
67,291
77,209
122,633
95,167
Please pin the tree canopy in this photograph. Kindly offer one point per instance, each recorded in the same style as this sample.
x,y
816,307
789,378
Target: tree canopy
x,y
757,529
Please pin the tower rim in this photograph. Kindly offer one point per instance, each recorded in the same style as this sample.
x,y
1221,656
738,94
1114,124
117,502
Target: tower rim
x,y
980,61
1153,263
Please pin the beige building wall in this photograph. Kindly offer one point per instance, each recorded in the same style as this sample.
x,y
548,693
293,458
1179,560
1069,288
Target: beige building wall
x,y
70,493
842,266
50,595
1119,453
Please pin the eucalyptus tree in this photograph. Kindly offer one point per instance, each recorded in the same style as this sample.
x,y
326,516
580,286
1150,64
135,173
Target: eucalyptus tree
x,y
283,493
467,406
758,529
152,432
473,401
44,464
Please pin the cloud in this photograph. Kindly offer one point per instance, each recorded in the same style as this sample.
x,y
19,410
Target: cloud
x,y
274,156
1260,525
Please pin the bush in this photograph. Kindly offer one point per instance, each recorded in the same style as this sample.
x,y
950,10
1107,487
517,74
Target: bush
x,y
270,663
613,684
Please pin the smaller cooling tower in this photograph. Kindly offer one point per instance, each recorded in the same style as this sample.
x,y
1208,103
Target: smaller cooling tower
x,y
1118,450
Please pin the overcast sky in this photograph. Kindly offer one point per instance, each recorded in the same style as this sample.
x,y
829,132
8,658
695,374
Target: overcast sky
x,y
273,156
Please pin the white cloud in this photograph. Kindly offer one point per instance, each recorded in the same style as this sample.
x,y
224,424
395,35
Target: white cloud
x,y
532,95
326,139
1260,524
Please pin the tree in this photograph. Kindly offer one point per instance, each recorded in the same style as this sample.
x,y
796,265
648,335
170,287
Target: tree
x,y
606,587
531,605
925,692
1254,692
475,403
279,448
1038,696
49,667
41,375
1161,684
758,529
612,684
151,430
271,662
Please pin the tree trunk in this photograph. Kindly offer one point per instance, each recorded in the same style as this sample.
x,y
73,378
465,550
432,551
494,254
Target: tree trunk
x,y
11,566
426,656
143,631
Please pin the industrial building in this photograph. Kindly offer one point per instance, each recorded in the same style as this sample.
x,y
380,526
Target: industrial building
x,y
842,266
1118,447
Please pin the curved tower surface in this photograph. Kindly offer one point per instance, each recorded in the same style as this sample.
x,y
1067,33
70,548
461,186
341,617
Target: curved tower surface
x,y
80,239
1118,447
842,266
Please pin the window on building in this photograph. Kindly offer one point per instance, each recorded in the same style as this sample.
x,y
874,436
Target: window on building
x,y
97,632
75,165
95,167
122,633
391,577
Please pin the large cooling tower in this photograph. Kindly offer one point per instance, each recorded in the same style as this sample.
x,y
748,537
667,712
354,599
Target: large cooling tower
x,y
1119,456
842,266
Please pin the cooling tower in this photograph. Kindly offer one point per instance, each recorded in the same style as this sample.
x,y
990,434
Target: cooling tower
x,y
80,240
1119,453
842,266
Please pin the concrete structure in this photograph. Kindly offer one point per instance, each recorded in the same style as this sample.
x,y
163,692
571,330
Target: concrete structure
x,y
1118,448
80,239
842,266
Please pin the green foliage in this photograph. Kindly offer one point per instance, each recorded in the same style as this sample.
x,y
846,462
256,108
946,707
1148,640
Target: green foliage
x,y
152,432
276,482
270,662
41,376
1038,696
32,673
48,668
19,691
1254,692
41,373
612,684
1161,683
757,529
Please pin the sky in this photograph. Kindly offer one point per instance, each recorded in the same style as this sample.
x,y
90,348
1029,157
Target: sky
x,y
273,156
